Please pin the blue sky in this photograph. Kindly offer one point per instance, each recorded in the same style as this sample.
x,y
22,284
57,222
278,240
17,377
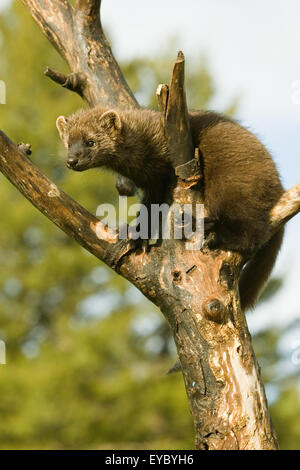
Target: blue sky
x,y
253,51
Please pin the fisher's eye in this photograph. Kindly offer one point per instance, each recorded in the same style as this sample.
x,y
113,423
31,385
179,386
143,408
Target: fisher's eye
x,y
90,143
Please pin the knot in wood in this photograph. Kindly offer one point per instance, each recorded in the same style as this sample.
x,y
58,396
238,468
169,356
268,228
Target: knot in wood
x,y
177,277
214,310
190,172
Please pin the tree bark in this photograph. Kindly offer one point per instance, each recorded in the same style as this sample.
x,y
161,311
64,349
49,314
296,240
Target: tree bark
x,y
196,290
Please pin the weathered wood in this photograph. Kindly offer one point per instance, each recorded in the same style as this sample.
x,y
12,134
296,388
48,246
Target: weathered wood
x,y
90,8
286,208
74,82
190,172
67,214
201,302
162,94
196,291
222,378
78,36
177,122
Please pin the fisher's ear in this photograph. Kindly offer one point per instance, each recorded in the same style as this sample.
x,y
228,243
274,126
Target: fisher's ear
x,y
62,127
111,122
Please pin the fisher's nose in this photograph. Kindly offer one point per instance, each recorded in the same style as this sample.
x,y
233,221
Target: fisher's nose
x,y
72,162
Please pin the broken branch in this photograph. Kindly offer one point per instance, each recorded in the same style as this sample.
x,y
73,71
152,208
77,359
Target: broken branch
x,y
81,41
89,8
287,207
66,213
74,82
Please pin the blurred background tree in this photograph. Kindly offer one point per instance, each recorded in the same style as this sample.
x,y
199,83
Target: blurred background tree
x,y
86,353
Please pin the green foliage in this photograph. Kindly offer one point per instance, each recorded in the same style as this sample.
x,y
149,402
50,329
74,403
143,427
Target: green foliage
x,y
86,353
285,413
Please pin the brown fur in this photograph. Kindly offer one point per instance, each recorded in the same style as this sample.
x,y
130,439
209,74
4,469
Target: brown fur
x,y
241,183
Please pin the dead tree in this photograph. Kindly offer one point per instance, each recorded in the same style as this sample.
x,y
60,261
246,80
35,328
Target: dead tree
x,y
197,291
